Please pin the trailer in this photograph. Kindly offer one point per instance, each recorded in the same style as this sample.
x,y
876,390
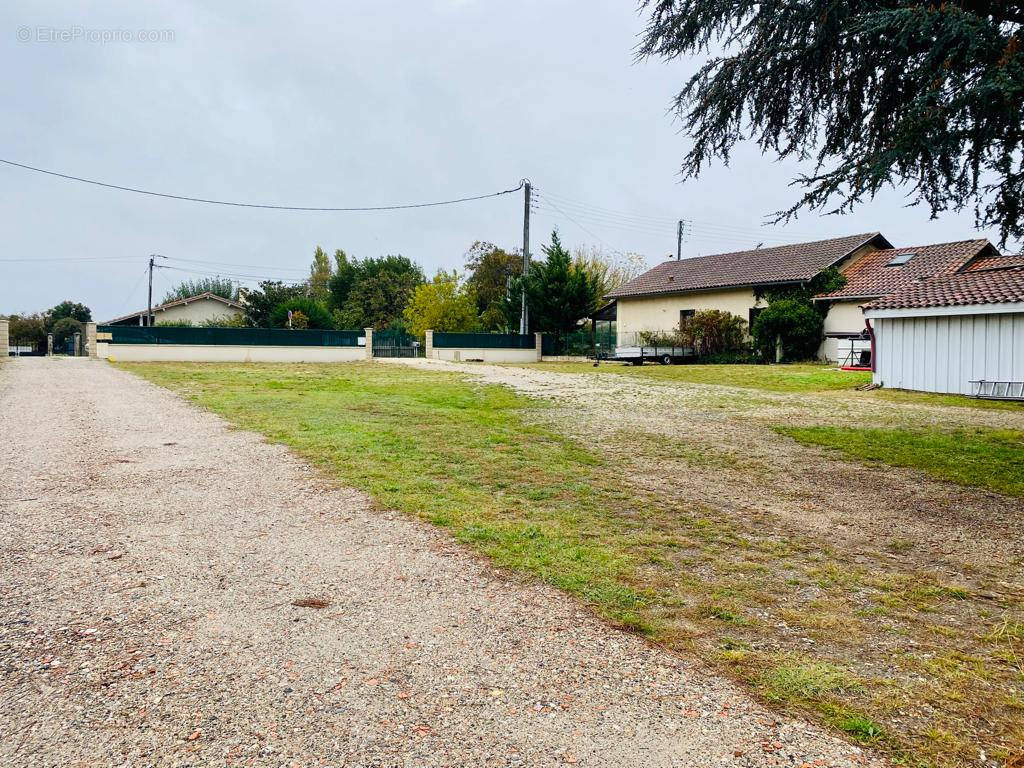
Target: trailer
x,y
664,354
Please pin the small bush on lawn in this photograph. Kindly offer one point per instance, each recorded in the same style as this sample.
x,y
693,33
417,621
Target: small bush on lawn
x,y
316,314
797,324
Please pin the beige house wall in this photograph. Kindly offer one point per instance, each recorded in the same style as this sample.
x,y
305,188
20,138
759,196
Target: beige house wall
x,y
226,353
842,317
196,312
661,313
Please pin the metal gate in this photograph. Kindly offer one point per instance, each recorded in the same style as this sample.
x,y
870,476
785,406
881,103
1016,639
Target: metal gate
x,y
395,344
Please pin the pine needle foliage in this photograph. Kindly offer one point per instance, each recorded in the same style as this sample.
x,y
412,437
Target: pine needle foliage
x,y
879,93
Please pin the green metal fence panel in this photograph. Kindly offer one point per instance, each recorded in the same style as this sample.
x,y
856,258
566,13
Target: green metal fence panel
x,y
485,340
396,344
281,337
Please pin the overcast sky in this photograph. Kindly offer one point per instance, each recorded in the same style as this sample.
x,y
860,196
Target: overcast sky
x,y
355,104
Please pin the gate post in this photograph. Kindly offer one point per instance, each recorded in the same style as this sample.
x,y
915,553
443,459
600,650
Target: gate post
x,y
539,341
369,343
78,344
90,339
49,345
5,341
430,345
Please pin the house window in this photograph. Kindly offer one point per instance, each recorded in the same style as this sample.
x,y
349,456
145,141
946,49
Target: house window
x,y
685,314
752,315
900,259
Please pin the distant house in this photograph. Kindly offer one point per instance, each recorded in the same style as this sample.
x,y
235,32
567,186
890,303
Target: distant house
x,y
875,274
942,333
198,309
732,282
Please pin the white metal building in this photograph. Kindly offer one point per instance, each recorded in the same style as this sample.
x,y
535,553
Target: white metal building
x,y
947,333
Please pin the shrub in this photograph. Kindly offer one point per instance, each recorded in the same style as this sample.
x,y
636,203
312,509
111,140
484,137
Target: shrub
x,y
316,313
173,324
299,320
225,321
659,339
797,324
713,332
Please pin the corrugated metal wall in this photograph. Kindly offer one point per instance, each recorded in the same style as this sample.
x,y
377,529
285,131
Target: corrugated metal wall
x,y
944,354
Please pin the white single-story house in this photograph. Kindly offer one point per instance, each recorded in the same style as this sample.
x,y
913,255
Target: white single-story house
x,y
732,282
201,308
874,274
952,332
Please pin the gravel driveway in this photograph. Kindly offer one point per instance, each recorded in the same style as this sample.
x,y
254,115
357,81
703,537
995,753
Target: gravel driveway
x,y
150,561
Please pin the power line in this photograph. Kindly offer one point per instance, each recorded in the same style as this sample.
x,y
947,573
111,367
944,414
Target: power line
x,y
191,199
232,275
204,262
76,258
602,242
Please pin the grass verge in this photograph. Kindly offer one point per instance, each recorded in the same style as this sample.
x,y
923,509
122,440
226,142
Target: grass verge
x,y
984,458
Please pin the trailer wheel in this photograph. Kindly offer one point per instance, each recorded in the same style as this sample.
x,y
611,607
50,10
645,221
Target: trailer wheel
x,y
666,359
638,362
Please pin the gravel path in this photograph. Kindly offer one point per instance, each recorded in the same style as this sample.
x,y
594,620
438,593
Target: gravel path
x,y
149,564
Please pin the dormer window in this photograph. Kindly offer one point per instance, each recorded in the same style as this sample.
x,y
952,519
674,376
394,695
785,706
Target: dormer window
x,y
900,259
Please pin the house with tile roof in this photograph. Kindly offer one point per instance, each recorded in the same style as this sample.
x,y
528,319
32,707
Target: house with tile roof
x,y
732,282
195,310
882,272
959,332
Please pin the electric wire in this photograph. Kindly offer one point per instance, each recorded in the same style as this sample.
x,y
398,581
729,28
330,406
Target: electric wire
x,y
189,198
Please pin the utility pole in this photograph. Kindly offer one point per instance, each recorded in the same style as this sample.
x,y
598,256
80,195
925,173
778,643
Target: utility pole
x,y
149,302
679,240
524,320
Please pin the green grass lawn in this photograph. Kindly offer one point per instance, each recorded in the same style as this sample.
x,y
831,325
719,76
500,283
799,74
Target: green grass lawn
x,y
986,458
773,378
472,459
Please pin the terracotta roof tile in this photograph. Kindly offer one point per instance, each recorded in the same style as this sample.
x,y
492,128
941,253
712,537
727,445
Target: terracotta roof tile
x,y
871,276
780,264
1003,286
995,262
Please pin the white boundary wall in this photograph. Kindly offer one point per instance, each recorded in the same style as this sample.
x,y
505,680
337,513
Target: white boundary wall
x,y
944,350
487,355
226,353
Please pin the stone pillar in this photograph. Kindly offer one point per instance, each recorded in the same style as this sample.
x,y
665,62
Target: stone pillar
x,y
5,341
49,345
430,345
540,345
78,344
369,343
90,339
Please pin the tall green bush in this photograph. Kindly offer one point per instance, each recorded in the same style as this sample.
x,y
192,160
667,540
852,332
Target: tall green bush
x,y
713,332
316,314
794,322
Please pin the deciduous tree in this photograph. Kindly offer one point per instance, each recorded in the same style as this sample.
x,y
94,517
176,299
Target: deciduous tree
x,y
67,308
260,302
492,271
379,291
320,274
446,303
